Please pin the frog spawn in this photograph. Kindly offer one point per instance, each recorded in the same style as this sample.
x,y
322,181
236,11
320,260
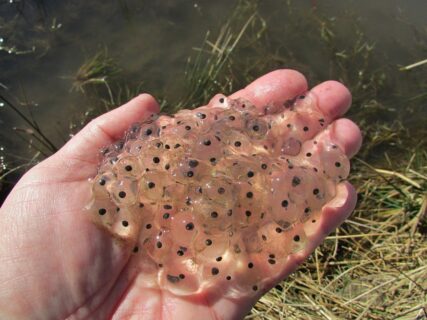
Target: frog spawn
x,y
219,195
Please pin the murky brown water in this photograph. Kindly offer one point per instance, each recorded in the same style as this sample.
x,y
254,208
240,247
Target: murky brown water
x,y
152,41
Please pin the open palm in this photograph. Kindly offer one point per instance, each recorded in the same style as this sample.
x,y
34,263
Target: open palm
x,y
56,264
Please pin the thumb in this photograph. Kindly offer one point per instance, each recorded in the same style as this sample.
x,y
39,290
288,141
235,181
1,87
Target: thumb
x,y
108,128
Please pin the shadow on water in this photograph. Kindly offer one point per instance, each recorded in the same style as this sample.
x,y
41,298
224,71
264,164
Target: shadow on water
x,y
64,62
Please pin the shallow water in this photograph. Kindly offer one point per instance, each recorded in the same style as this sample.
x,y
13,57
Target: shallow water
x,y
151,42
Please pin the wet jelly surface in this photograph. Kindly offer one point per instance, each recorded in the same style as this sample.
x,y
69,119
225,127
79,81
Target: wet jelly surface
x,y
218,195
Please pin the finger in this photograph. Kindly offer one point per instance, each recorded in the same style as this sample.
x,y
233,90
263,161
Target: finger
x,y
333,99
275,87
312,112
109,127
333,215
337,210
345,134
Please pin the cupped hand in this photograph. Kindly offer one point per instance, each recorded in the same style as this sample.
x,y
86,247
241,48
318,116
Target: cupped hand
x,y
56,264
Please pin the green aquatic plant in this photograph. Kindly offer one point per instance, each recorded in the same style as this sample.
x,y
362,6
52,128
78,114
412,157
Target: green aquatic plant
x,y
210,69
97,70
18,20
32,133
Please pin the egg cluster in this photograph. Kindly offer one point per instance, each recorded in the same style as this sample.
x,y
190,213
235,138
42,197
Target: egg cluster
x,y
218,195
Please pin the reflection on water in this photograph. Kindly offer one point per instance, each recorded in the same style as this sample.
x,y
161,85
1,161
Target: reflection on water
x,y
150,41
45,42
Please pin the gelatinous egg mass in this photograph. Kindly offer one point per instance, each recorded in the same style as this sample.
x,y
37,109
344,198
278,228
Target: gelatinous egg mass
x,y
217,195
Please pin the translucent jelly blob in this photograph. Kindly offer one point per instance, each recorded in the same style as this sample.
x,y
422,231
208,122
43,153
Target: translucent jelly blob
x,y
218,197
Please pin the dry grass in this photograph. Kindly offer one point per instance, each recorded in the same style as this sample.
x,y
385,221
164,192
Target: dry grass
x,y
375,265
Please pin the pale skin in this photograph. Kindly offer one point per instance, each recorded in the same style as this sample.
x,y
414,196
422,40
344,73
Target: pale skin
x,y
56,264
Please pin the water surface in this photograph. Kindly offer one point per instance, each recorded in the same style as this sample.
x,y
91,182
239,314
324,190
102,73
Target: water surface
x,y
45,42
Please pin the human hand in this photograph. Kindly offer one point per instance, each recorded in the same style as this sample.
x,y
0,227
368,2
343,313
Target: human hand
x,y
56,264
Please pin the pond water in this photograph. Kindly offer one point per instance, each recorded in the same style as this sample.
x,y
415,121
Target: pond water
x,y
44,43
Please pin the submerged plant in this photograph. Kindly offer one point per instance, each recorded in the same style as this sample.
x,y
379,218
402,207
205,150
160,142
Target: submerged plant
x,y
33,134
210,69
97,70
